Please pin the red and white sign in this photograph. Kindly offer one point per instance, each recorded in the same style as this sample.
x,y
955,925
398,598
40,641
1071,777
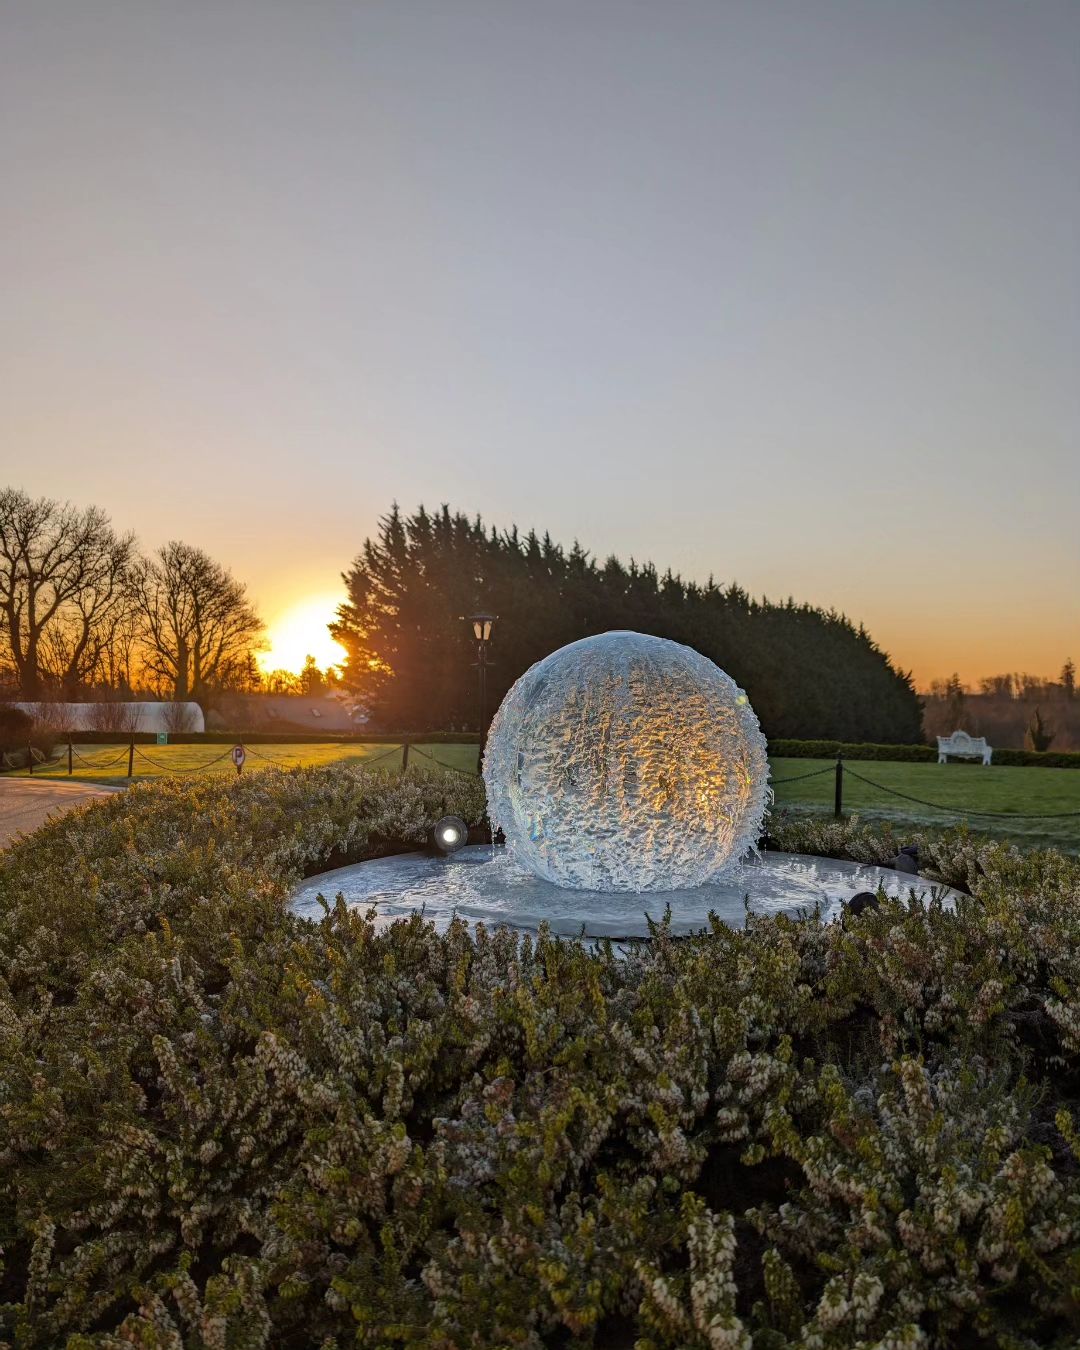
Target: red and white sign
x,y
239,754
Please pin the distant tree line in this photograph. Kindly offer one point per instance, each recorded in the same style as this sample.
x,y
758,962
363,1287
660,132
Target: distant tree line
x,y
808,672
311,681
1016,685
1013,710
82,611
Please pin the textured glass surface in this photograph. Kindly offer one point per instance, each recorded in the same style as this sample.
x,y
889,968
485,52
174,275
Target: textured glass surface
x,y
625,762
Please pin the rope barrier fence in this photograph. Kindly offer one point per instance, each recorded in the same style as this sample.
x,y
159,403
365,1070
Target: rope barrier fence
x,y
963,810
129,754
451,768
840,769
374,759
133,751
801,777
98,764
407,747
269,759
193,768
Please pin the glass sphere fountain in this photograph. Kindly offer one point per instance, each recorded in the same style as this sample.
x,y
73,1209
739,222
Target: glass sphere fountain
x,y
626,763
628,775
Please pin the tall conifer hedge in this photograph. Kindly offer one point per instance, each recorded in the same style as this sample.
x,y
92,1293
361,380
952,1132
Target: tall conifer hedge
x,y
809,673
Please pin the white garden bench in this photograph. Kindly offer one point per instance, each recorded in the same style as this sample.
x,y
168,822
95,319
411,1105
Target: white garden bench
x,y
963,746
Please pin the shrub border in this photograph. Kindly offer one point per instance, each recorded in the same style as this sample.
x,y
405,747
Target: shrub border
x,y
918,754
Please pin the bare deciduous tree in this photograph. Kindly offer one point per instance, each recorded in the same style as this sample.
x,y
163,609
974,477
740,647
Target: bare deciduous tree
x,y
197,624
62,584
82,650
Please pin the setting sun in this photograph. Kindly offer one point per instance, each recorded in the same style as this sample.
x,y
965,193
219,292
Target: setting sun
x,y
301,632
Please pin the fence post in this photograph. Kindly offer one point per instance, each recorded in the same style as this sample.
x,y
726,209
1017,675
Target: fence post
x,y
838,799
69,757
30,758
131,756
404,755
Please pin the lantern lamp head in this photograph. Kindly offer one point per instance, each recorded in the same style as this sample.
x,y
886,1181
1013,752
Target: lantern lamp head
x,y
482,625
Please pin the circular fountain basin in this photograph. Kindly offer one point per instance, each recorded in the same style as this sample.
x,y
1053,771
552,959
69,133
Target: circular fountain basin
x,y
481,884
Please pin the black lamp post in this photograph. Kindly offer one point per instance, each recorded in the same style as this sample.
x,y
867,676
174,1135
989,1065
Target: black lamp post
x,y
482,625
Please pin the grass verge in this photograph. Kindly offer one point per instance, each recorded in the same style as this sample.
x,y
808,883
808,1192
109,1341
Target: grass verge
x,y
107,764
961,789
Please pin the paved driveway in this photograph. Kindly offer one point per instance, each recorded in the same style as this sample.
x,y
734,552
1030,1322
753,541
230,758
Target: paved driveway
x,y
26,804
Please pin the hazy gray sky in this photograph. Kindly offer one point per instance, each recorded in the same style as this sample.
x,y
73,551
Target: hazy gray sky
x,y
785,292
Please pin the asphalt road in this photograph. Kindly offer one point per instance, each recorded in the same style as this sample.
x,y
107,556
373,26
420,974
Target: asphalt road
x,y
26,804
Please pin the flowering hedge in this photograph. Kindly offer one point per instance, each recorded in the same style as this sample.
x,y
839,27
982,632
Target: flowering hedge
x,y
223,1127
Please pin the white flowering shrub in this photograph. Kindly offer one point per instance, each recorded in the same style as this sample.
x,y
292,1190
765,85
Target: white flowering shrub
x,y
224,1127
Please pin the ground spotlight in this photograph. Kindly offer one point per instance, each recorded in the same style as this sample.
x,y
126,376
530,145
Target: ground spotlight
x,y
450,834
860,903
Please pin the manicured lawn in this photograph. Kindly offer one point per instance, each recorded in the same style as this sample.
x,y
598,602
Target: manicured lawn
x,y
108,763
961,788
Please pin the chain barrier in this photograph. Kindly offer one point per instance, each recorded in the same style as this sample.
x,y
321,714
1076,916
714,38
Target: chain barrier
x,y
288,764
195,768
393,752
374,759
92,764
368,761
962,810
277,763
450,768
814,773
466,773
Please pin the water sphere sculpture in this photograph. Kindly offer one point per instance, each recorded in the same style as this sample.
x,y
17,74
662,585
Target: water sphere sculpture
x,y
625,762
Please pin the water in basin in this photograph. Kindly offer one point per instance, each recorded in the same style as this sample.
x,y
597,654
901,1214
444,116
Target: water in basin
x,y
481,884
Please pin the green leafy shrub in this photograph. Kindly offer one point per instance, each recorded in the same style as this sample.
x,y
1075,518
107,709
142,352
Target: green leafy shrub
x,y
1046,759
224,1127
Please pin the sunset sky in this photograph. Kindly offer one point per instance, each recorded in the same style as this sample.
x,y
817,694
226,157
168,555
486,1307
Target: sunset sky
x,y
784,292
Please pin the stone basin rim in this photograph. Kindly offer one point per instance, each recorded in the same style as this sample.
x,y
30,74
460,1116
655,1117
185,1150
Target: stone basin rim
x,y
482,884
